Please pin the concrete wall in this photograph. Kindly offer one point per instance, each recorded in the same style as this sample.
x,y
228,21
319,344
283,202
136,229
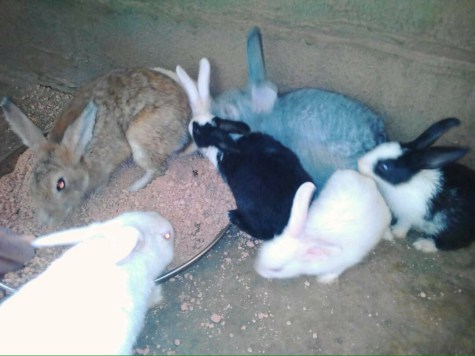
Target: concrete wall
x,y
412,61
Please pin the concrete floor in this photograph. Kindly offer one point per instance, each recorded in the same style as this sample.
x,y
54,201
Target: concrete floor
x,y
398,300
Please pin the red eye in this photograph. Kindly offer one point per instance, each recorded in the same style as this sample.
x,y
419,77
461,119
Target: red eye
x,y
60,184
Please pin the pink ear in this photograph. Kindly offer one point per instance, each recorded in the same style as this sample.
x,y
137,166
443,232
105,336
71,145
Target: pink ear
x,y
299,211
264,97
320,252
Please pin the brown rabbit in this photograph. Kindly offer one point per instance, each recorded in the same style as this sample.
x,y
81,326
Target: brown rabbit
x,y
142,112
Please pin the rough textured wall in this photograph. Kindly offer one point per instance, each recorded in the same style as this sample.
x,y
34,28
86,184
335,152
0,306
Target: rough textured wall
x,y
412,61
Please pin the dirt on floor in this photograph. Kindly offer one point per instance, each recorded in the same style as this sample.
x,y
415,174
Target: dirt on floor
x,y
397,301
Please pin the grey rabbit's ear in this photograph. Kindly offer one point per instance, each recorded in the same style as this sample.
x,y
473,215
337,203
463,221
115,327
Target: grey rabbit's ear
x,y
431,134
263,97
29,133
263,92
231,126
436,157
255,57
79,134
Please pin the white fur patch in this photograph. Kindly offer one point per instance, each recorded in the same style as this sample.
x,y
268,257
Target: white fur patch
x,y
200,120
387,150
425,245
212,154
409,201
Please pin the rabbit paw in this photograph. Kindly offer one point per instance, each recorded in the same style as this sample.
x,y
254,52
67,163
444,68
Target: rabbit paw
x,y
425,245
155,296
388,235
142,182
328,278
400,231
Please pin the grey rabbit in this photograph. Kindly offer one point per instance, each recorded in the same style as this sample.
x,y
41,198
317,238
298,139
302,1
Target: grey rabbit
x,y
326,130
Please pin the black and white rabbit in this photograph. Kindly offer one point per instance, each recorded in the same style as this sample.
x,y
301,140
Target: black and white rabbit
x,y
425,189
262,174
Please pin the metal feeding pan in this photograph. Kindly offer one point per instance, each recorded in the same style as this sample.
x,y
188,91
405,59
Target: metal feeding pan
x,y
167,275
7,163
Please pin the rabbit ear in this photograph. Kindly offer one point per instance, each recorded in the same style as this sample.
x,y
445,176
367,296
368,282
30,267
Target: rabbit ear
x,y
264,96
430,135
224,142
231,126
112,241
66,237
299,211
123,241
436,157
203,81
198,94
79,134
255,57
190,88
29,133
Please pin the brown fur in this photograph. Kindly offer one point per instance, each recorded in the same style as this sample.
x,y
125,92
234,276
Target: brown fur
x,y
139,111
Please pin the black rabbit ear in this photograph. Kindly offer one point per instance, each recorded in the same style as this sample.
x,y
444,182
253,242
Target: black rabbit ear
x,y
223,141
437,157
232,126
429,136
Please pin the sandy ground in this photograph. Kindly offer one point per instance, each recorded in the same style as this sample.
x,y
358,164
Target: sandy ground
x,y
398,300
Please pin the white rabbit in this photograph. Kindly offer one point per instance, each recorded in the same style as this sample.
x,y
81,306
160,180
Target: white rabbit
x,y
93,299
342,225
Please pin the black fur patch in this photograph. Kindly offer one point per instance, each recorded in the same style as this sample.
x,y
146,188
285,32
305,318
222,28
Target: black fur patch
x,y
456,203
263,177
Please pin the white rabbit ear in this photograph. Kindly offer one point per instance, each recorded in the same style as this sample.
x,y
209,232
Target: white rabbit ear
x,y
79,134
110,241
299,211
121,243
29,133
198,94
190,88
203,81
264,96
67,237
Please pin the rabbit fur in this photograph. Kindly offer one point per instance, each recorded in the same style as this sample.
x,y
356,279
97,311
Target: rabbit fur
x,y
263,175
142,112
326,130
93,299
425,188
330,234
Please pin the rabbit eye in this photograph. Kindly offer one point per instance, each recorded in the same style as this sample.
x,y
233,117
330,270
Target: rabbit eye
x,y
60,184
382,167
